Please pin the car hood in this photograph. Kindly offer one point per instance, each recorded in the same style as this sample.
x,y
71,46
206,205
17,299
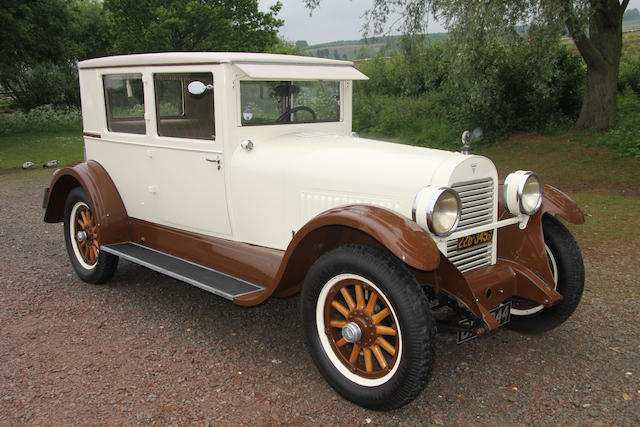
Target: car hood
x,y
316,171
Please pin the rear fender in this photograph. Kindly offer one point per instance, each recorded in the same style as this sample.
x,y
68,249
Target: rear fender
x,y
106,202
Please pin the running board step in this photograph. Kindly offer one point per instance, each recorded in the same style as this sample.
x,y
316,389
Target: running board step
x,y
210,280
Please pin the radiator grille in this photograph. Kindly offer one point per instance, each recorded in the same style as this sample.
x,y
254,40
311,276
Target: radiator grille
x,y
477,209
477,202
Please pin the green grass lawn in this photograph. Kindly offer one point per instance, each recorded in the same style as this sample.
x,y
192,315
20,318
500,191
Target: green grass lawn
x,y
39,148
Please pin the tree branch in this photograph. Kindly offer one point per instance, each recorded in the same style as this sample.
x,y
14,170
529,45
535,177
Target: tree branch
x,y
623,6
589,52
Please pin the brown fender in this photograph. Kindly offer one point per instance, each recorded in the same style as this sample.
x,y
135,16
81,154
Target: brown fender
x,y
105,200
351,224
558,203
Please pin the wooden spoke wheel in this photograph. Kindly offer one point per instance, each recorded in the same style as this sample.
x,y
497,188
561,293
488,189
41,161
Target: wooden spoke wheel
x,y
85,235
361,327
82,238
368,326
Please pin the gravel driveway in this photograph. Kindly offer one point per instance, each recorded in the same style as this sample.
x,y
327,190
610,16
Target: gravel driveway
x,y
146,349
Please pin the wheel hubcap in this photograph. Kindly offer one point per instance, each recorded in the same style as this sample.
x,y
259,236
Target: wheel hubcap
x,y
351,332
81,236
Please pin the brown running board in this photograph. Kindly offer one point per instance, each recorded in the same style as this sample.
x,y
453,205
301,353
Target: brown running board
x,y
205,278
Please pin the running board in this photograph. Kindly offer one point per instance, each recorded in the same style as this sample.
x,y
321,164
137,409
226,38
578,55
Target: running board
x,y
208,279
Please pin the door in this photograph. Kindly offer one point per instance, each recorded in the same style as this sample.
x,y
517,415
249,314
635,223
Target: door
x,y
187,163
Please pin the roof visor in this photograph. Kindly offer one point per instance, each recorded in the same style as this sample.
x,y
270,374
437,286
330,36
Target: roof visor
x,y
300,72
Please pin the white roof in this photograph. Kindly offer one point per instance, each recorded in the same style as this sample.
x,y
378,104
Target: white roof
x,y
188,58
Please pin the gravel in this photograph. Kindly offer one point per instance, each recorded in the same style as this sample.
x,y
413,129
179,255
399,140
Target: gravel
x,y
146,349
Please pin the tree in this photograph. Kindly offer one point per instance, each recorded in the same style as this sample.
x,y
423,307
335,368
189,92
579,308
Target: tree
x,y
191,25
32,33
594,25
631,15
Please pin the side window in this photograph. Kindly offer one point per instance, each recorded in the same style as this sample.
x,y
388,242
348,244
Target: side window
x,y
180,113
124,98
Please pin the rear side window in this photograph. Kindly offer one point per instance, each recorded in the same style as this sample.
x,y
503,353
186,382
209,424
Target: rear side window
x,y
124,98
180,113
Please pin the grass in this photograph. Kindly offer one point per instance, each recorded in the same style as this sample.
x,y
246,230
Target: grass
x,y
599,179
568,161
64,146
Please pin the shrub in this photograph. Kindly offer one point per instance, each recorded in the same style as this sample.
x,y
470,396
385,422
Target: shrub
x,y
625,135
498,89
629,75
46,84
411,120
45,118
508,91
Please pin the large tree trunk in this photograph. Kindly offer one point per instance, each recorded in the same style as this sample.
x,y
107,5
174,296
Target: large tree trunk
x,y
600,100
600,49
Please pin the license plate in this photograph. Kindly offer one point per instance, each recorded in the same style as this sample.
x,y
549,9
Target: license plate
x,y
502,314
472,240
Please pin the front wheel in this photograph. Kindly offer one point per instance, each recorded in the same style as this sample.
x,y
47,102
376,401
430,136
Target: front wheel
x,y
82,238
368,326
565,261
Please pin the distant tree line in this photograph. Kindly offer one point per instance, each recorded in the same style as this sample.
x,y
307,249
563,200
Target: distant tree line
x,y
631,15
42,40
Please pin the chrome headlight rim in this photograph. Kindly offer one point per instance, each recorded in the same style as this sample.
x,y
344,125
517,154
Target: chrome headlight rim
x,y
433,201
513,192
523,181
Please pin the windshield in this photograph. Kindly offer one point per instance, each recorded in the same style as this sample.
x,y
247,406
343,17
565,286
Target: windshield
x,y
280,102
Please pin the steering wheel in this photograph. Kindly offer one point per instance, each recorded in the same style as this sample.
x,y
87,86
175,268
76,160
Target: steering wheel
x,y
283,117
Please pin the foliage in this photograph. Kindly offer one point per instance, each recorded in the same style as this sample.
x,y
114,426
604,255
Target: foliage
x,y
629,75
508,92
32,31
477,27
285,47
411,120
508,96
41,40
44,118
192,25
631,15
624,137
46,83
419,69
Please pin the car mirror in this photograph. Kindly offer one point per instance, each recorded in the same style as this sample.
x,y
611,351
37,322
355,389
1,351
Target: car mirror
x,y
198,88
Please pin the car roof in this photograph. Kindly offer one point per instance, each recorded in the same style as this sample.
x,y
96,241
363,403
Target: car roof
x,y
190,58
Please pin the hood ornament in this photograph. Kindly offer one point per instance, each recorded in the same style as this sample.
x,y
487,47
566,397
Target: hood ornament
x,y
466,141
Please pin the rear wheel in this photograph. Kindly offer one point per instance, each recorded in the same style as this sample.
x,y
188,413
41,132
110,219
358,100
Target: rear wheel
x,y
82,239
368,326
565,261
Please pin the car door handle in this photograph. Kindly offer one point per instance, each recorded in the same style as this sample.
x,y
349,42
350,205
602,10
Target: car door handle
x,y
212,160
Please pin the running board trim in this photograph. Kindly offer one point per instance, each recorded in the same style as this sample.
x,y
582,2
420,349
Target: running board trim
x,y
205,278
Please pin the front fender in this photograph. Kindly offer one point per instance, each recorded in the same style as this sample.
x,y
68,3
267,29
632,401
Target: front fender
x,y
105,200
353,224
404,238
558,203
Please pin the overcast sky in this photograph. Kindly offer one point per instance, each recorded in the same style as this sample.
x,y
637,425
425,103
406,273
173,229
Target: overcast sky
x,y
334,20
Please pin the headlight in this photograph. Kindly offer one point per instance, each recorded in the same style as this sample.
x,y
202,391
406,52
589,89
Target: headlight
x,y
437,209
522,193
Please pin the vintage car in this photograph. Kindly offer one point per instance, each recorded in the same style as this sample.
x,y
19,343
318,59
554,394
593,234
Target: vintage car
x,y
239,173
